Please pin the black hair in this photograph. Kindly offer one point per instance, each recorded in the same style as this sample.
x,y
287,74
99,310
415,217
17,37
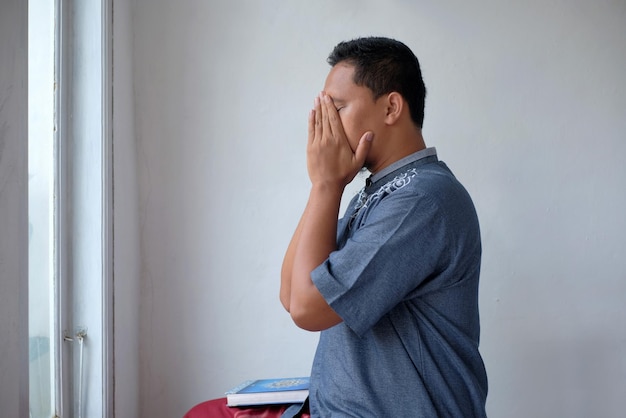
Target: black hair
x,y
385,65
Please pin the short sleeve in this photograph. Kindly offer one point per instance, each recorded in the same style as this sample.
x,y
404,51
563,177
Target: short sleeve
x,y
397,247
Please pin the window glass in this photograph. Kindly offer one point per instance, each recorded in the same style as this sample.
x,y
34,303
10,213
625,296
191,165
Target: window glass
x,y
41,92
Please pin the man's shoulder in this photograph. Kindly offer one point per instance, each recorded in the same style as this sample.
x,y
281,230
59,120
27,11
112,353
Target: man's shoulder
x,y
433,178
427,189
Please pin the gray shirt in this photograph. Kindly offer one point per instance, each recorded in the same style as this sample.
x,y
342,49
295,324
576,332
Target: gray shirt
x,y
404,280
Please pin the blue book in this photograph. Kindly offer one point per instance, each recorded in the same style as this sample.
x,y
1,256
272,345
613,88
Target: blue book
x,y
269,391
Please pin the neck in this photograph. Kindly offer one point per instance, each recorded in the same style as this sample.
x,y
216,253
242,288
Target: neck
x,y
397,148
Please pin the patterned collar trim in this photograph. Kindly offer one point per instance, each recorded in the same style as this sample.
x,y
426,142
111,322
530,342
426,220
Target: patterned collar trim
x,y
426,152
401,179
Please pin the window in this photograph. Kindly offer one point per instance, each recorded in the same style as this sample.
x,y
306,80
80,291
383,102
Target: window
x,y
41,235
70,177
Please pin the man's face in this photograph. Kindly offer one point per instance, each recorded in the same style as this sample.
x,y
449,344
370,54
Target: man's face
x,y
357,109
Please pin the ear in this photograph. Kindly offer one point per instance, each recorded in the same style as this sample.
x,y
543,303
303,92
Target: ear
x,y
395,106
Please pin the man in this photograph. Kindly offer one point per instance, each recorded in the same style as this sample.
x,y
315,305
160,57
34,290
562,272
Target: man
x,y
392,286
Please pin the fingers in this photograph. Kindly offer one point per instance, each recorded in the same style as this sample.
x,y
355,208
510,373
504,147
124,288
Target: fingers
x,y
311,126
331,123
324,121
330,155
315,121
332,119
319,125
324,99
363,148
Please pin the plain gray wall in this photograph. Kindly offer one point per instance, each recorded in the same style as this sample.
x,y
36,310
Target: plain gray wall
x,y
126,252
13,209
526,103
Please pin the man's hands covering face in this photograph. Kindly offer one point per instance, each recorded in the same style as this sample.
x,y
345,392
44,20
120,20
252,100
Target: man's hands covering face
x,y
330,159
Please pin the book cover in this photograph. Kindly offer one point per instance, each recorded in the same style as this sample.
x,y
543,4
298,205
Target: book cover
x,y
269,391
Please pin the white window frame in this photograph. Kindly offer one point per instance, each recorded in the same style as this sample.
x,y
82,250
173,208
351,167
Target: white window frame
x,y
84,217
13,216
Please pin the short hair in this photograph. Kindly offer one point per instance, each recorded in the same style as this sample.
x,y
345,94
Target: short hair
x,y
385,65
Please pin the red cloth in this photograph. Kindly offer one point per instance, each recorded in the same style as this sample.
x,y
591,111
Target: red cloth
x,y
217,408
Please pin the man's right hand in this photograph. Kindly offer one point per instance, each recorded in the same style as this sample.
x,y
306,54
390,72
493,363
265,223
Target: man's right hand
x,y
330,159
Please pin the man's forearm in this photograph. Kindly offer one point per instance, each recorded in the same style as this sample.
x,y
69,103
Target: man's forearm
x,y
332,163
316,240
287,267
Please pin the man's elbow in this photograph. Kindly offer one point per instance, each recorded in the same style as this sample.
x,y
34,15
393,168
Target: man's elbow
x,y
304,321
284,300
310,319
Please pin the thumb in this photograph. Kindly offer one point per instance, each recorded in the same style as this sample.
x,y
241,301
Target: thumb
x,y
365,143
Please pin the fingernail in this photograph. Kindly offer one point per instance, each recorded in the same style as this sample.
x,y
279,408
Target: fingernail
x,y
369,136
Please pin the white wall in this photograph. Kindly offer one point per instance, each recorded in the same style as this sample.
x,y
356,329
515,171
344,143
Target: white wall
x,y
527,104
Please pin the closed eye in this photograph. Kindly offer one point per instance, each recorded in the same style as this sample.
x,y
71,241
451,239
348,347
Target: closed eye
x,y
339,104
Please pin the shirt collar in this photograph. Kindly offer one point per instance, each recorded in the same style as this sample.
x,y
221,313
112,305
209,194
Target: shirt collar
x,y
426,152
